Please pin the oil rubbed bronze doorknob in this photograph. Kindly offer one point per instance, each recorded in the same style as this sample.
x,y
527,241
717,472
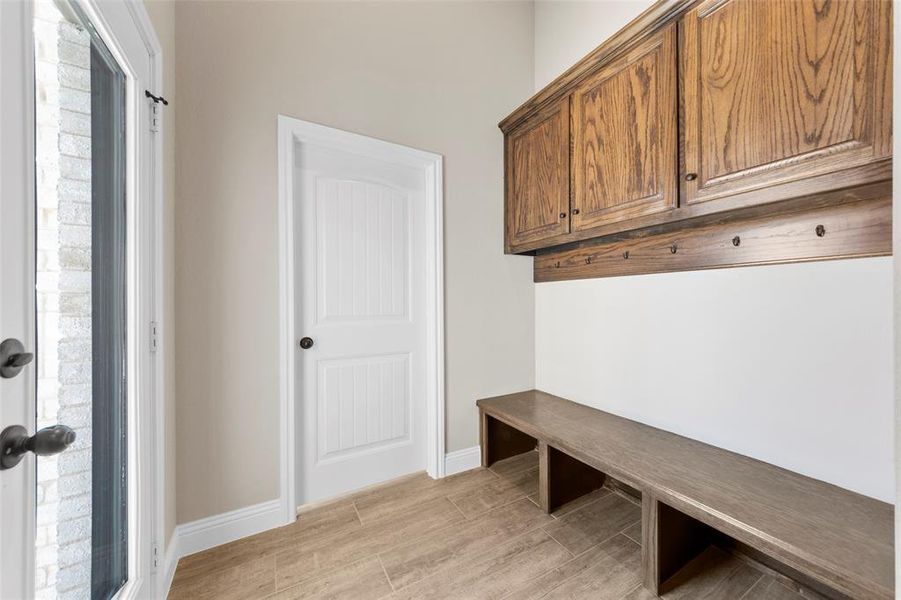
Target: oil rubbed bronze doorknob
x,y
14,443
306,343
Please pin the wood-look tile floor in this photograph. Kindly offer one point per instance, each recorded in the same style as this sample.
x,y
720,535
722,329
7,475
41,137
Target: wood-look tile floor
x,y
476,535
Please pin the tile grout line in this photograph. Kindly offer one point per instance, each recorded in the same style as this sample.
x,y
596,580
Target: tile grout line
x,y
626,535
498,507
571,553
586,505
357,512
627,594
459,510
748,591
385,571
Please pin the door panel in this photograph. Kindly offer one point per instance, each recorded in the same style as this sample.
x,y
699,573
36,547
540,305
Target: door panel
x,y
783,90
537,177
363,239
363,404
624,136
361,268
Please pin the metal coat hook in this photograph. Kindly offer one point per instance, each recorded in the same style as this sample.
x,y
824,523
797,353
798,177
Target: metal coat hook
x,y
736,241
820,231
587,260
157,99
673,248
625,255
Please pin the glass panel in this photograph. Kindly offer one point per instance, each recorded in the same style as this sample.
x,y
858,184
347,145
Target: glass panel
x,y
81,537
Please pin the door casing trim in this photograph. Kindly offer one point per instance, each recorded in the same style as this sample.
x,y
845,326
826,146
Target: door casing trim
x,y
292,131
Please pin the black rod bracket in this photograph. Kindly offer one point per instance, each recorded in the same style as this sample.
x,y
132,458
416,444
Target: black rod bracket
x,y
157,99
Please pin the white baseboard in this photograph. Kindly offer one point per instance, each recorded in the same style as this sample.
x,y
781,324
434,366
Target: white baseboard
x,y
203,534
196,536
462,460
170,563
221,529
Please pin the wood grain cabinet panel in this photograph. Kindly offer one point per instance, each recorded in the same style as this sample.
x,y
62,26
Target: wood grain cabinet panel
x,y
781,91
625,136
537,178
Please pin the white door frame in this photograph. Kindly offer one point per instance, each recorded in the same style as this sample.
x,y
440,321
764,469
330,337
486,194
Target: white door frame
x,y
292,132
125,28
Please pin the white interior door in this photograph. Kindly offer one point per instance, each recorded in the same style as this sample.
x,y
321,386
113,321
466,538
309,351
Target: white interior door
x,y
75,191
361,234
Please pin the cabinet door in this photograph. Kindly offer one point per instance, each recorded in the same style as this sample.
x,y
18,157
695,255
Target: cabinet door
x,y
779,96
537,178
624,136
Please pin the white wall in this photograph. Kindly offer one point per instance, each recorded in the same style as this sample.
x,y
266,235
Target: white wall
x,y
565,31
789,364
432,75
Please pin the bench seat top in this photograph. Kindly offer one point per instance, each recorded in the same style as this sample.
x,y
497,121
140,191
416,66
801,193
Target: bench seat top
x,y
838,537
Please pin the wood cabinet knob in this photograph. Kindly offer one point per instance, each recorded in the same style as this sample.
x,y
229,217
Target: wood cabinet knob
x,y
691,176
562,215
575,211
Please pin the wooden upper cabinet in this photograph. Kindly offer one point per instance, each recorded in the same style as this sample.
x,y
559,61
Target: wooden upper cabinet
x,y
779,96
537,178
625,136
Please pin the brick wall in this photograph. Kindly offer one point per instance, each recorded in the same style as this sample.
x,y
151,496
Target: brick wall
x,y
63,105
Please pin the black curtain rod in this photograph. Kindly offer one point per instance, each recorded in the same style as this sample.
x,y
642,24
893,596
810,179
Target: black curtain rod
x,y
156,99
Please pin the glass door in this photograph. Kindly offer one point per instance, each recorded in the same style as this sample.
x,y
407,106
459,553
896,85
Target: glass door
x,y
78,423
81,318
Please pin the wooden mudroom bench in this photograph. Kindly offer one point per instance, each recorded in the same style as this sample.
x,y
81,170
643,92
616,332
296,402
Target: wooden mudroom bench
x,y
833,540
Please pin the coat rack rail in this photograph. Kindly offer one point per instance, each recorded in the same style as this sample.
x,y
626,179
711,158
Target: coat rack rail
x,y
849,230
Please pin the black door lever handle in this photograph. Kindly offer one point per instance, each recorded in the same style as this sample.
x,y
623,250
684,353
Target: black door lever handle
x,y
15,442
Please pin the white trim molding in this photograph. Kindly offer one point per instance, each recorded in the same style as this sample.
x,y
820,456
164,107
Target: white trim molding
x,y
203,534
170,563
210,532
462,460
292,132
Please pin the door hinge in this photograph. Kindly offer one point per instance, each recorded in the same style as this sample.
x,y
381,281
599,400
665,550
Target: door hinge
x,y
156,555
154,336
155,116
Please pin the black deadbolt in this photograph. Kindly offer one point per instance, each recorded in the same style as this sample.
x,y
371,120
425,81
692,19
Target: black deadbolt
x,y
13,357
306,343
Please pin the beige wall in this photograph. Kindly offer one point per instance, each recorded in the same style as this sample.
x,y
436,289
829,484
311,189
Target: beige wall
x,y
433,75
567,30
162,15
